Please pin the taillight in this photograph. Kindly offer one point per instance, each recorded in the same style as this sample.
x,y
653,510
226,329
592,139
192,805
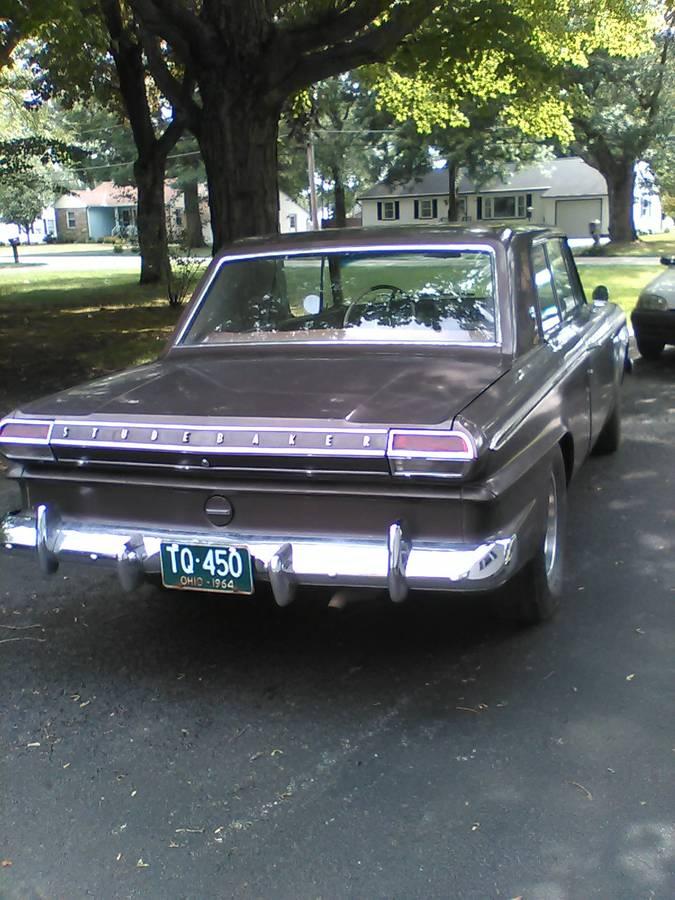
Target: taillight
x,y
25,439
425,452
24,431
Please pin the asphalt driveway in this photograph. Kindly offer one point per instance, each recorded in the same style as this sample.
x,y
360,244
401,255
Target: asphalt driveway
x,y
176,746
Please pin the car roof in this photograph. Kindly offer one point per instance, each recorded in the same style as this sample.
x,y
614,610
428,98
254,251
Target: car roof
x,y
389,235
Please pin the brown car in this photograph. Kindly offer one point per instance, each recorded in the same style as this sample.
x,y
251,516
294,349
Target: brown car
x,y
391,408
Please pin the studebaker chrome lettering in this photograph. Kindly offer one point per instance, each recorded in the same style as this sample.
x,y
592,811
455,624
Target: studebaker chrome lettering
x,y
94,432
224,440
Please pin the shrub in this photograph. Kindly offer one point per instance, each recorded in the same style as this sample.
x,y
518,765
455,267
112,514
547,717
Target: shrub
x,y
118,247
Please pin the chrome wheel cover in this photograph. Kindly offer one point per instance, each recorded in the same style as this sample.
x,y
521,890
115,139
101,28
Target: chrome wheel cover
x,y
551,536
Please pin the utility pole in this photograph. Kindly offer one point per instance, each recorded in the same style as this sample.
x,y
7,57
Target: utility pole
x,y
311,172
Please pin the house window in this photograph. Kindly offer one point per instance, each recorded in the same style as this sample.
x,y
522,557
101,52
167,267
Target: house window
x,y
508,206
179,219
645,205
461,209
292,222
389,209
426,209
70,219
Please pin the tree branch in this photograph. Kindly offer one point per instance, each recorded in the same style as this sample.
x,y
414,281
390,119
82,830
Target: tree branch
x,y
180,96
374,45
172,21
334,26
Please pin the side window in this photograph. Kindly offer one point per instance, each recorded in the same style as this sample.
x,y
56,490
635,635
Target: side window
x,y
565,287
543,280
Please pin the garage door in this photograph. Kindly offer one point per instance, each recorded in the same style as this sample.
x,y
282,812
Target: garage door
x,y
573,216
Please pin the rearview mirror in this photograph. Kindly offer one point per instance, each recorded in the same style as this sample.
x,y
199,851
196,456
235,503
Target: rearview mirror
x,y
600,294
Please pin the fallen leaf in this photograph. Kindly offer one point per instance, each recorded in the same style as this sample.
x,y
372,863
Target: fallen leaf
x,y
475,826
118,857
277,753
630,677
5,863
142,865
33,744
133,793
582,788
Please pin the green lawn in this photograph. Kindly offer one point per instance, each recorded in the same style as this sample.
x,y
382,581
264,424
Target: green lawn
x,y
647,245
60,328
623,282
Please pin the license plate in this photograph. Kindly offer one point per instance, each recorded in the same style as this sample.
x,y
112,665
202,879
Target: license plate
x,y
192,567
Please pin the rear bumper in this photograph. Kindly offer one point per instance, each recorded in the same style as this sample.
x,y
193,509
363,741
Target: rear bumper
x,y
395,562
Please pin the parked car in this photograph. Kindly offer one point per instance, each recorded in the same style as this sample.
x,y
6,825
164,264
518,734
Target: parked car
x,y
395,409
654,316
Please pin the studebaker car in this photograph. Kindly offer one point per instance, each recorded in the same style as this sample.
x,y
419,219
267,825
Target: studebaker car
x,y
393,409
654,315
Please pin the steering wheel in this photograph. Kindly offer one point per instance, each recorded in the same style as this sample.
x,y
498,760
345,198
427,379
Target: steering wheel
x,y
391,289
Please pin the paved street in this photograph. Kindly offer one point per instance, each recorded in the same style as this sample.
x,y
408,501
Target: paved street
x,y
175,746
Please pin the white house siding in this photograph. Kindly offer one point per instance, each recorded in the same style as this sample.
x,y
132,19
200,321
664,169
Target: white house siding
x,y
292,216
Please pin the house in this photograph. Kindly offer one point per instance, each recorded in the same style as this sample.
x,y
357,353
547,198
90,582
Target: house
x,y
90,215
567,193
44,225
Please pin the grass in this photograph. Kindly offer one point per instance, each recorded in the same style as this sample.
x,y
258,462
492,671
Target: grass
x,y
57,329
647,245
623,282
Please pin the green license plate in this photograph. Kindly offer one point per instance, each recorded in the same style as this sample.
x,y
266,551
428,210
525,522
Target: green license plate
x,y
194,567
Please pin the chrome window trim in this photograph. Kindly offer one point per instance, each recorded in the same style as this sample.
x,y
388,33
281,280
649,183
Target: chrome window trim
x,y
366,248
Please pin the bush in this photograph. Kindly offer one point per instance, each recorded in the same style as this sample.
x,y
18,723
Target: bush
x,y
109,239
118,247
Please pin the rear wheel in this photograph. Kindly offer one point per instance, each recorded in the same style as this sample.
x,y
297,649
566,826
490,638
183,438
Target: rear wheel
x,y
536,590
649,349
610,437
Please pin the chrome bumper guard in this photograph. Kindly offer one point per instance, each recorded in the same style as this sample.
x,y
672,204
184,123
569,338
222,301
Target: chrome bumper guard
x,y
394,562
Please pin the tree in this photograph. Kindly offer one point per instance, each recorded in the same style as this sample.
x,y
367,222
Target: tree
x,y
531,65
23,197
84,56
623,112
247,59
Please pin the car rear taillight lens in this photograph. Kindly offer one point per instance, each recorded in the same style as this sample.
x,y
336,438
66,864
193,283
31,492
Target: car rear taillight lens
x,y
25,439
423,452
24,431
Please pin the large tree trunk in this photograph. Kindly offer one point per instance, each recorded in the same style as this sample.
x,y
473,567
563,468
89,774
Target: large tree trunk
x,y
621,188
151,219
238,141
194,236
452,191
340,215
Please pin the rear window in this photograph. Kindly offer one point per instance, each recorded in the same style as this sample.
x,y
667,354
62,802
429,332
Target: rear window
x,y
446,295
